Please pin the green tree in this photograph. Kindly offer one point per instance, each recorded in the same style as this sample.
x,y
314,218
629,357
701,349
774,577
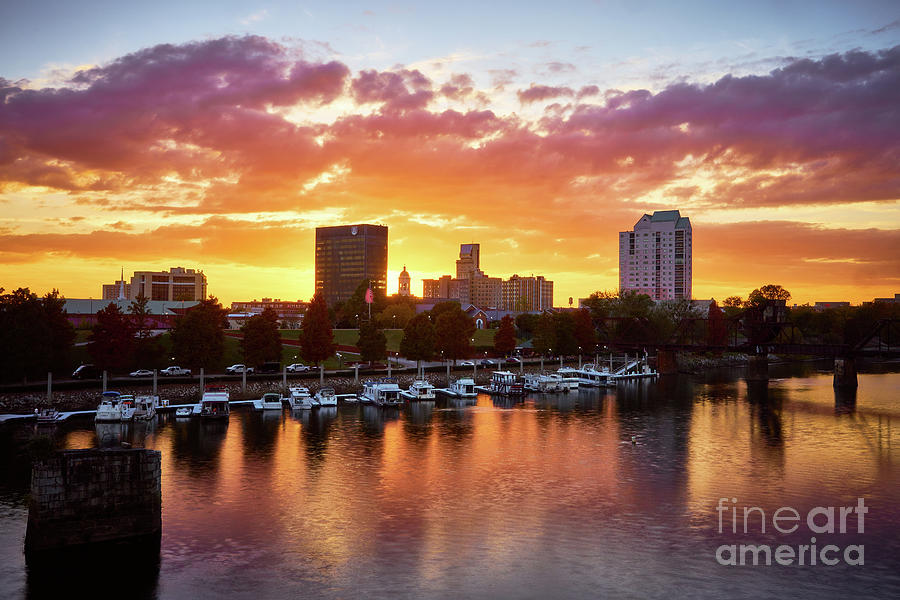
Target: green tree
x,y
716,332
768,292
544,340
35,334
355,310
317,337
585,333
566,342
527,324
372,343
148,350
418,341
505,338
454,330
140,315
112,341
198,337
262,341
441,307
396,315
60,334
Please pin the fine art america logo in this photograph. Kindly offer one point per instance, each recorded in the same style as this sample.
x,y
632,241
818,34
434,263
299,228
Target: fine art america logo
x,y
821,520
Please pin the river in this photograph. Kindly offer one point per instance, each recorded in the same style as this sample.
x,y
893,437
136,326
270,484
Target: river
x,y
599,493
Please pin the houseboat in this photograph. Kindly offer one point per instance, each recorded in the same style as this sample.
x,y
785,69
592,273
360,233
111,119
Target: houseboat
x,y
569,377
539,382
145,407
463,388
299,398
419,390
506,383
214,403
385,392
589,376
109,410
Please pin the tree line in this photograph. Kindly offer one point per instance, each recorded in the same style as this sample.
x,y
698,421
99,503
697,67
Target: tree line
x,y
37,337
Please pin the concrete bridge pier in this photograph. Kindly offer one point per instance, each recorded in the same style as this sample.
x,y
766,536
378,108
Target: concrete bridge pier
x,y
666,363
845,373
758,368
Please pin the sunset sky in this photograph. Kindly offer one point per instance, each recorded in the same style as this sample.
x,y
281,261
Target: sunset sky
x,y
218,135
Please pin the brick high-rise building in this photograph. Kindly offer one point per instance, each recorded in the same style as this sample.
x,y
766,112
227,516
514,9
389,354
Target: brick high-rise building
x,y
655,258
176,284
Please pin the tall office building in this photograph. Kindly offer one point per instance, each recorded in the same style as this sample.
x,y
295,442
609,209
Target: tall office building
x,y
348,254
655,258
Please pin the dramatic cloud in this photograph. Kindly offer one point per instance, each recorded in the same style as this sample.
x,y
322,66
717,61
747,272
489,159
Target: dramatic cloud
x,y
221,128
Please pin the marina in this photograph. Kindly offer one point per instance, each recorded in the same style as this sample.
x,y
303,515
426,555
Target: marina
x,y
428,484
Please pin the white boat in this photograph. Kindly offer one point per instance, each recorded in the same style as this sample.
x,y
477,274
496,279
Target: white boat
x,y
300,398
47,416
506,383
214,403
590,376
549,383
381,393
127,406
110,410
569,376
419,390
463,388
145,407
184,411
269,401
326,397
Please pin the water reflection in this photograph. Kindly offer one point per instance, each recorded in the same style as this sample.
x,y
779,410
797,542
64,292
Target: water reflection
x,y
607,491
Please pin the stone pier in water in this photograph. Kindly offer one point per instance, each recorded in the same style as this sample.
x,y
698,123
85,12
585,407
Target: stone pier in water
x,y
86,497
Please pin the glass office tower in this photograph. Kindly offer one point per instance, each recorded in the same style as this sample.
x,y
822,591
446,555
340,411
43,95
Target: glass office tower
x,y
348,254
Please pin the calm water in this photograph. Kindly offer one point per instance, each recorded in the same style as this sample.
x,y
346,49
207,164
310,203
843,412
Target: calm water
x,y
538,499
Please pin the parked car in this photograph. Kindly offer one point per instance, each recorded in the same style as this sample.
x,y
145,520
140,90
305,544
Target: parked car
x,y
142,373
513,359
467,363
175,371
239,369
269,367
297,368
87,372
486,362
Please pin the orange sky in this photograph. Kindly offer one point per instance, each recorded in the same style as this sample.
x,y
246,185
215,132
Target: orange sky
x,y
225,154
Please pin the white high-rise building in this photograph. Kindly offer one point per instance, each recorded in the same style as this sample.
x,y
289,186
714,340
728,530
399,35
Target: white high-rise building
x,y
655,258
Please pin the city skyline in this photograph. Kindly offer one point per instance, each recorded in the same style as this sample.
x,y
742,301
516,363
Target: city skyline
x,y
541,134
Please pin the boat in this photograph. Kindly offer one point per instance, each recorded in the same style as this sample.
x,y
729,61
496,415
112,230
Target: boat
x,y
463,388
47,416
506,383
214,403
569,377
326,397
300,398
384,392
269,401
126,402
590,376
539,382
184,411
109,410
145,407
419,390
